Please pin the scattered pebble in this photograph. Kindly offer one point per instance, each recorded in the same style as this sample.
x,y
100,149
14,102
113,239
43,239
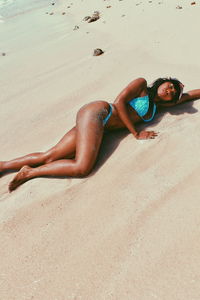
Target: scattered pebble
x,y
3,54
53,3
86,18
51,13
63,13
76,27
193,3
98,52
93,18
109,6
68,6
179,7
123,16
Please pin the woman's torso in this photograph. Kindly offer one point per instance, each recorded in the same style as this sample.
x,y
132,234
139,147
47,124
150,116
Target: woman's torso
x,y
116,123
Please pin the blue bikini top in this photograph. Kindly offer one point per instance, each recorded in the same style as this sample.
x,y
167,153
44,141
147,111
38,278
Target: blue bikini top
x,y
141,106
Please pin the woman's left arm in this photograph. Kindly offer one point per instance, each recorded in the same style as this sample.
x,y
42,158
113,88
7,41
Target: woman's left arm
x,y
190,96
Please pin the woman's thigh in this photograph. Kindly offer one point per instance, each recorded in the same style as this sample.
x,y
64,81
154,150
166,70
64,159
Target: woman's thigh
x,y
65,148
89,133
82,141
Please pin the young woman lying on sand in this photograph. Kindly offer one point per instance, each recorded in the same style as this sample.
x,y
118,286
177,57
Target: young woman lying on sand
x,y
76,153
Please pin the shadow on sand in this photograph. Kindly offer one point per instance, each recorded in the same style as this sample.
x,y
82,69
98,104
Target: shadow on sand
x,y
111,141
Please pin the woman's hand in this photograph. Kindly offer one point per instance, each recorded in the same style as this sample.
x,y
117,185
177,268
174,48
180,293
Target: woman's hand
x,y
144,135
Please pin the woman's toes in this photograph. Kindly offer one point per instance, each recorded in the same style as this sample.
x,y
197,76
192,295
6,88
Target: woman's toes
x,y
21,177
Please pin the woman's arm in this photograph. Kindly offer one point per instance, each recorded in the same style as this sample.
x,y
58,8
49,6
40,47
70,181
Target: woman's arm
x,y
133,90
190,96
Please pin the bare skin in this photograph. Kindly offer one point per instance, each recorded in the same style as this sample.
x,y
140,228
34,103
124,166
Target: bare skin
x,y
76,153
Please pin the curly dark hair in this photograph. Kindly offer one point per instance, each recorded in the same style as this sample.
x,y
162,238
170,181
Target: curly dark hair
x,y
152,89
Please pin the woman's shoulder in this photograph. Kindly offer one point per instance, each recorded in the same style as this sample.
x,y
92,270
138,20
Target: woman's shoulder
x,y
138,86
141,81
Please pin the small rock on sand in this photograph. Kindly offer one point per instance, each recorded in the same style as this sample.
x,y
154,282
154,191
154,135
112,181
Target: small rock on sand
x,y
179,7
86,18
3,54
98,52
76,27
93,18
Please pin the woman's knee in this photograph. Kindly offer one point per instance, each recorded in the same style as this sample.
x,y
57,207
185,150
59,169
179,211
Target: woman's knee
x,y
49,156
82,170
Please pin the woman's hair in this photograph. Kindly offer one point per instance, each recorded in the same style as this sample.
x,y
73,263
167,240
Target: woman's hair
x,y
152,89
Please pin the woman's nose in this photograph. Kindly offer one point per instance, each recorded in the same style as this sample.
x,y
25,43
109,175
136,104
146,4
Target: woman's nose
x,y
170,92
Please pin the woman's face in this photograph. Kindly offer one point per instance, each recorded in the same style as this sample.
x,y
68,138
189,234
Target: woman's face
x,y
166,91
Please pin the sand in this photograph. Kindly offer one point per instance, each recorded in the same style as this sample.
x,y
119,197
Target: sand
x,y
130,230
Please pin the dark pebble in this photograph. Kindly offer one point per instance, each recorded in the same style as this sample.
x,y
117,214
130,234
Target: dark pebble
x,y
98,52
93,18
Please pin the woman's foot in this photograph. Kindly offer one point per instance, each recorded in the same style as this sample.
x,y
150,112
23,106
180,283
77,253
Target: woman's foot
x,y
22,176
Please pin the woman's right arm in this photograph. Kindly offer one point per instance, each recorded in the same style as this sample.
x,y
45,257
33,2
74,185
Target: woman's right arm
x,y
133,90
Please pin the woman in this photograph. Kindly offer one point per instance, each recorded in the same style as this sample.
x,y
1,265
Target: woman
x,y
76,153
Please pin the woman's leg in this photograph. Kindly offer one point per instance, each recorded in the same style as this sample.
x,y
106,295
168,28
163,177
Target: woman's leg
x,y
65,148
89,133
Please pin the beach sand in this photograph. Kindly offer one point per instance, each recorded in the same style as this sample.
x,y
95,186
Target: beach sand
x,y
130,230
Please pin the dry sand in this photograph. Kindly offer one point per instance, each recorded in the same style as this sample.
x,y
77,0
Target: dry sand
x,y
130,230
